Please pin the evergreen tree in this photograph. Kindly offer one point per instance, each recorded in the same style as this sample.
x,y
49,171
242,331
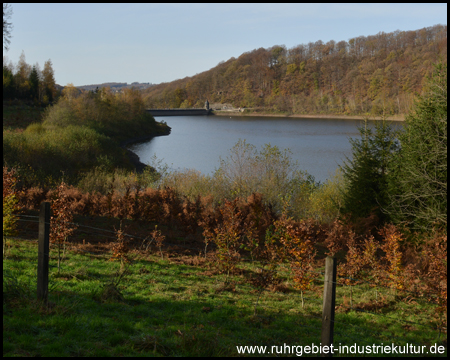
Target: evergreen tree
x,y
8,83
418,180
366,172
34,83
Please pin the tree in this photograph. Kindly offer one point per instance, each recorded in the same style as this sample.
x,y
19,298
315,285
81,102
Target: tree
x,y
34,83
8,83
376,74
366,173
180,96
22,77
70,92
7,26
418,179
48,82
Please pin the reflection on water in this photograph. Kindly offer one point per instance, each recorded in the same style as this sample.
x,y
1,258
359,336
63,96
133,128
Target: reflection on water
x,y
197,142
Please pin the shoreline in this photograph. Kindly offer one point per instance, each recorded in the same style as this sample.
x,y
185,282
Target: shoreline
x,y
140,166
343,117
133,157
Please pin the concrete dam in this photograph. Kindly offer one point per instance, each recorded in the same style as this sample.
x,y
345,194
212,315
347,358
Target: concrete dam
x,y
178,112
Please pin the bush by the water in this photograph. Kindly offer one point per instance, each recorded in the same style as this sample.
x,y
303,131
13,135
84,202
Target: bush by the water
x,y
247,170
43,154
120,116
82,131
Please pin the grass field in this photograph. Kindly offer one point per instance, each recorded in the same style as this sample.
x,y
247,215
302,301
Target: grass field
x,y
180,306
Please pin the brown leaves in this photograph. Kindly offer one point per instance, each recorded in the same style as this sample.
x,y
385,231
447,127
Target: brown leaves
x,y
158,238
248,228
299,251
9,202
435,251
393,256
61,221
336,237
120,248
9,181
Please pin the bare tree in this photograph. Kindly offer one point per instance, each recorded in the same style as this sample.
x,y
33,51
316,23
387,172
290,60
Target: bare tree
x,y
7,25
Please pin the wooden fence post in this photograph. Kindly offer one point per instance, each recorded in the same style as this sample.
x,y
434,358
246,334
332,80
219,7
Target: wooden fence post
x,y
329,300
43,251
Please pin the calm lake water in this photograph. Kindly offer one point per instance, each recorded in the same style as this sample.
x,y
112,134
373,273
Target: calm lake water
x,y
197,142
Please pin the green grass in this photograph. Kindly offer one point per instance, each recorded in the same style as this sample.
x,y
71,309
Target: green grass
x,y
168,308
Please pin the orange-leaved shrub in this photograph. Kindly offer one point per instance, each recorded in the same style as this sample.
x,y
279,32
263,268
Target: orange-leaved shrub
x,y
393,269
10,204
61,220
435,272
120,248
158,238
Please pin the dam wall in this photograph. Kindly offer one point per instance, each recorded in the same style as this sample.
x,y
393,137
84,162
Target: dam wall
x,y
178,112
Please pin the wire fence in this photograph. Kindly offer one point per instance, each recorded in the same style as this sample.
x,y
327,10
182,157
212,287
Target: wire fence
x,y
345,326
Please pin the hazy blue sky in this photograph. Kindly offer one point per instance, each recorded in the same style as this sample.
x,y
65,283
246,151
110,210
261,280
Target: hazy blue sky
x,y
96,43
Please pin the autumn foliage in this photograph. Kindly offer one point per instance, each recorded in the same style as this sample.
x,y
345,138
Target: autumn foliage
x,y
375,74
61,220
10,200
120,248
247,229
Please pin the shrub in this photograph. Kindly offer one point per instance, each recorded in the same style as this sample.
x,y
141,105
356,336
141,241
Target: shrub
x,y
10,206
435,270
35,128
326,200
60,115
120,248
61,226
191,183
71,150
270,172
121,116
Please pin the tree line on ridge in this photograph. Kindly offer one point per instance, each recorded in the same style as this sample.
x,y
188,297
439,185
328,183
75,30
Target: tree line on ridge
x,y
378,74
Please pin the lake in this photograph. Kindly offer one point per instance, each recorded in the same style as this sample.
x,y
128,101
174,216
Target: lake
x,y
197,142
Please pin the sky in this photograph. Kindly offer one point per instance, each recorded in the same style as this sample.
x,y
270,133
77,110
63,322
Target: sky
x,y
98,43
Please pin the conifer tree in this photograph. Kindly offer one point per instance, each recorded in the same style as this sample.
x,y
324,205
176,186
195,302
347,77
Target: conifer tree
x,y
366,172
34,83
8,83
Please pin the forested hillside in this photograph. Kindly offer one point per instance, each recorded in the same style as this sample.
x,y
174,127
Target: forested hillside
x,y
373,74
116,86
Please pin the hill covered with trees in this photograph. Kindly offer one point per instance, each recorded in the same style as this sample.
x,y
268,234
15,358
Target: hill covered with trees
x,y
116,86
376,74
